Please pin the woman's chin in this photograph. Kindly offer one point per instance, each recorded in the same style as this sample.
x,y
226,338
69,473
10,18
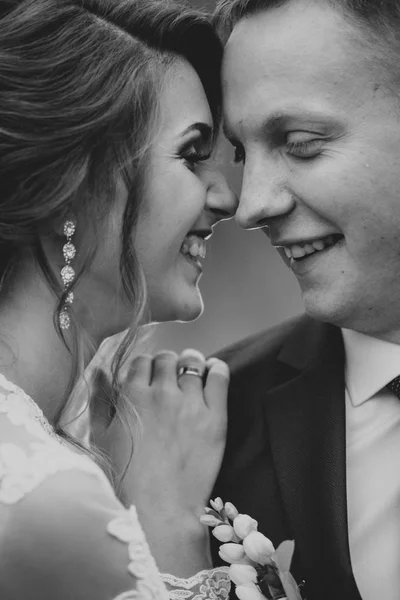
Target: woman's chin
x,y
189,314
178,309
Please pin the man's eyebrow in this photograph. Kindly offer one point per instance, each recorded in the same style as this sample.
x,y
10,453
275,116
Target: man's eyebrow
x,y
205,130
280,117
270,123
274,120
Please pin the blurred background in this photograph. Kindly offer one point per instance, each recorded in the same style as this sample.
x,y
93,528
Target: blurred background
x,y
245,286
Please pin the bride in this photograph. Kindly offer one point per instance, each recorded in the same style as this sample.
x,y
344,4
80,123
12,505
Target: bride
x,y
108,113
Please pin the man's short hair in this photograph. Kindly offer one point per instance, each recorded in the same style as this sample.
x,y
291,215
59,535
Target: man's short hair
x,y
376,24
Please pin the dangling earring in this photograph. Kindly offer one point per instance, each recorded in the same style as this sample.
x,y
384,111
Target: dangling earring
x,y
67,274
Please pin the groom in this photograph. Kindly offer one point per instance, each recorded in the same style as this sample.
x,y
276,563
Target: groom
x,y
312,106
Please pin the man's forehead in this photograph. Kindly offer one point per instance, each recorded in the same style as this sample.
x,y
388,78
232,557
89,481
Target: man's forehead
x,y
294,19
275,57
299,34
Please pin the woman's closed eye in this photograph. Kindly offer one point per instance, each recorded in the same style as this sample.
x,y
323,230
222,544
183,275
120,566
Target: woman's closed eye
x,y
193,156
195,152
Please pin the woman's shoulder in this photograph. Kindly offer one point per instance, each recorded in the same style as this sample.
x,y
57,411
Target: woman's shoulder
x,y
30,450
71,538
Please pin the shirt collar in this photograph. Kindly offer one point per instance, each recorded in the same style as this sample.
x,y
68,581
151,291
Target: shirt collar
x,y
371,364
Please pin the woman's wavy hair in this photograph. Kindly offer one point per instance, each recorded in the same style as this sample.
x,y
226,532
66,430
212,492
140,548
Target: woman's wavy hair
x,y
80,83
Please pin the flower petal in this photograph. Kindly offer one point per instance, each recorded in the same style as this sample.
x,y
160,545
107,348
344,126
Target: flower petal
x,y
210,521
231,510
258,547
211,511
284,554
243,525
242,574
231,553
224,533
217,504
248,592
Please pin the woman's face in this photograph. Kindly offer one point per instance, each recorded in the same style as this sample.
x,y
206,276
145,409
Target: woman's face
x,y
184,198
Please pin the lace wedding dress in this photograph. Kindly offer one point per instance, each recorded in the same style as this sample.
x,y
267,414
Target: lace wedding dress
x,y
63,533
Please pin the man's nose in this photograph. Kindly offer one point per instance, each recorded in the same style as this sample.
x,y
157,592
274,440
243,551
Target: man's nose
x,y
264,197
221,201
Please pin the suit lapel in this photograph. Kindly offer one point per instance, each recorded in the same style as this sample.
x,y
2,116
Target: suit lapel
x,y
306,422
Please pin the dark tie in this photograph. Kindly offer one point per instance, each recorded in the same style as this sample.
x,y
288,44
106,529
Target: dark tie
x,y
394,386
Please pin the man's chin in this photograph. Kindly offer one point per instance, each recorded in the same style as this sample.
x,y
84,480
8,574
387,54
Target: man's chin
x,y
325,309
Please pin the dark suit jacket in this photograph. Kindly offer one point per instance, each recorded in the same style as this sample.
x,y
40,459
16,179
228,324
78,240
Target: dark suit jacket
x,y
285,458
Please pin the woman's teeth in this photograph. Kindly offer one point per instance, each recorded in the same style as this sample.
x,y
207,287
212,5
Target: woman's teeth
x,y
299,251
194,247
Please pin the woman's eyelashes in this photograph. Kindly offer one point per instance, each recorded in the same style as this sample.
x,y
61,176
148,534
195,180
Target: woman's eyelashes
x,y
194,153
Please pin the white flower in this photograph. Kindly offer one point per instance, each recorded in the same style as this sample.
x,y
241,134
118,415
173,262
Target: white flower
x,y
231,553
231,510
217,504
243,525
224,533
210,520
242,574
258,547
248,592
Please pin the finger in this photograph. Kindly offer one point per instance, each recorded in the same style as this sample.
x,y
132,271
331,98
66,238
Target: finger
x,y
140,370
164,368
192,359
216,385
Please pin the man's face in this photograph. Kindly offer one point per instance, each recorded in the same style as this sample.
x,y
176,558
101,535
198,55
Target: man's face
x,y
321,139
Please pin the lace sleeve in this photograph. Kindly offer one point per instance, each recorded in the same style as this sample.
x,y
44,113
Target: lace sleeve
x,y
63,533
211,584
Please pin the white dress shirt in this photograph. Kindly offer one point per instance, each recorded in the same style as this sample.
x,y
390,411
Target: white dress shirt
x,y
373,464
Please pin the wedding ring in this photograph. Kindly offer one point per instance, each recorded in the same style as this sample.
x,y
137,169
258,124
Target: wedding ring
x,y
190,370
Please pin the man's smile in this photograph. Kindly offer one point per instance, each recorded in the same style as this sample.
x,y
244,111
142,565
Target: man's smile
x,y
302,248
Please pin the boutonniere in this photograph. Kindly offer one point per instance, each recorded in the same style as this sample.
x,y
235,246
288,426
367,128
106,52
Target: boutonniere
x,y
257,569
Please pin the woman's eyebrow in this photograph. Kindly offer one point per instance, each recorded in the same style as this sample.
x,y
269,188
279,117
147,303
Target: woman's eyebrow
x,y
205,130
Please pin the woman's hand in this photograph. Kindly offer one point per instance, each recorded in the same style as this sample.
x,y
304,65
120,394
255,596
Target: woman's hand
x,y
177,456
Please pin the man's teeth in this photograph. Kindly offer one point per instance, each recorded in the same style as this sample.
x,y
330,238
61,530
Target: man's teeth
x,y
297,251
194,246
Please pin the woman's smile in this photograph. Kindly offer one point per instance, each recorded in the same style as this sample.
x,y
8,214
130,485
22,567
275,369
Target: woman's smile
x,y
194,248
